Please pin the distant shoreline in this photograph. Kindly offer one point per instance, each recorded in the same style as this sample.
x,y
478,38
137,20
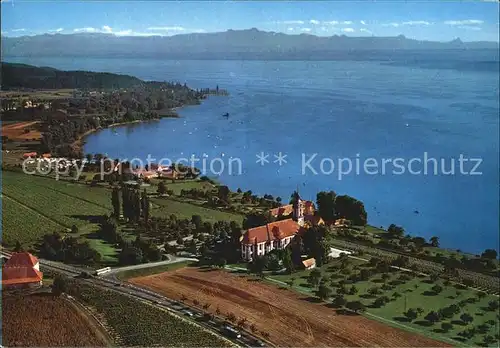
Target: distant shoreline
x,y
81,141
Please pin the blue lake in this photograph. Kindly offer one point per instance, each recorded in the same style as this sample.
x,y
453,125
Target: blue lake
x,y
335,109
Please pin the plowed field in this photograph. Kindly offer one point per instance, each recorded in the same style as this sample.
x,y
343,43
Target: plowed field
x,y
288,318
47,321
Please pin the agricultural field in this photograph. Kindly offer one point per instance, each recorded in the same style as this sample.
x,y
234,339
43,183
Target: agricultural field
x,y
164,207
145,325
287,318
47,321
20,223
45,203
21,131
178,186
404,291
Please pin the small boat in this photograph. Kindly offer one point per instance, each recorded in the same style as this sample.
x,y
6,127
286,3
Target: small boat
x,y
226,115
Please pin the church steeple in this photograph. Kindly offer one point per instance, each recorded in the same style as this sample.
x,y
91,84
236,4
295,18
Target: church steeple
x,y
298,208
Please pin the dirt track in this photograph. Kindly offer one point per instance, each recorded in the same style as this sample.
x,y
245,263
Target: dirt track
x,y
15,131
289,318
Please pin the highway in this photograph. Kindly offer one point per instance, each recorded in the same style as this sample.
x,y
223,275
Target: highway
x,y
110,282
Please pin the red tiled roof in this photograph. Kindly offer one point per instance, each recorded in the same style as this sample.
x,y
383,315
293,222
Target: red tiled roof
x,y
22,259
273,231
314,219
309,262
282,211
19,269
309,208
285,210
20,275
30,154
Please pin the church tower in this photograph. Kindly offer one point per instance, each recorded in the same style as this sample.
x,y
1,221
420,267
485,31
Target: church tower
x,y
298,209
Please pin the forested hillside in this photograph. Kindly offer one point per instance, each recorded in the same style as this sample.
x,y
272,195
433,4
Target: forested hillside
x,y
16,76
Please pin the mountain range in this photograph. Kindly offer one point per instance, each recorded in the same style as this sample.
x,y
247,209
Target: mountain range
x,y
230,44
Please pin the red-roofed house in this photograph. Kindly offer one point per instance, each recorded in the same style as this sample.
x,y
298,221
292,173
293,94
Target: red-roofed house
x,y
261,240
278,235
309,263
286,210
21,270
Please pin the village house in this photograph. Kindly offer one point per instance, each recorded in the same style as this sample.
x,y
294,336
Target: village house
x,y
278,235
29,155
21,270
309,263
145,174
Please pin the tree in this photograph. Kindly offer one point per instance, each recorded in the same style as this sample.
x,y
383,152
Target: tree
x,y
419,242
287,261
255,220
351,209
339,301
290,282
411,314
145,206
323,292
381,301
314,277
231,317
18,248
253,328
223,193
326,205
489,340
437,289
74,229
115,202
258,265
433,317
434,277
162,188
396,231
466,318
396,295
353,290
434,241
355,306
89,157
446,327
242,323
375,290
60,285
489,254
493,305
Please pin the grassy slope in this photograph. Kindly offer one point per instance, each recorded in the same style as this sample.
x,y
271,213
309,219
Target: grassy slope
x,y
165,207
142,272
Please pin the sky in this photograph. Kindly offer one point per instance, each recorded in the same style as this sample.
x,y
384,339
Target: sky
x,y
436,20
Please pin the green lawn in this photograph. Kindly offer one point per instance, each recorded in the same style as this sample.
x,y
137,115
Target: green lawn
x,y
178,186
165,207
142,272
20,223
415,293
64,203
